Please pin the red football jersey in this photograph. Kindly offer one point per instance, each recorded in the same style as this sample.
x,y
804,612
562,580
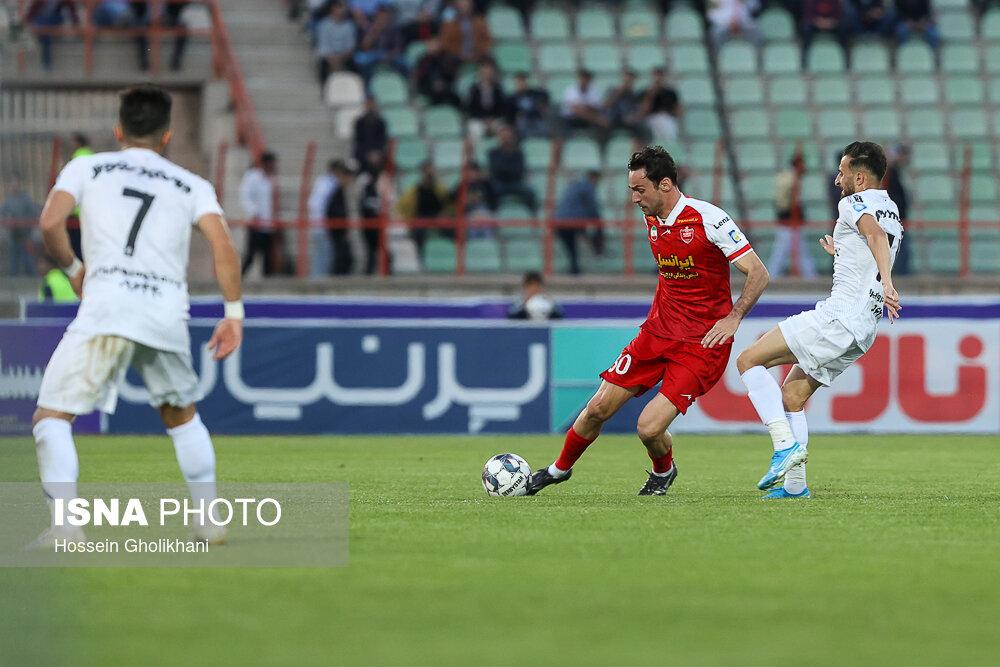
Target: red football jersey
x,y
692,247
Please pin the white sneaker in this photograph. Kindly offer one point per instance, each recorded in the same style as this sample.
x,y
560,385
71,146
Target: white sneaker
x,y
47,540
212,534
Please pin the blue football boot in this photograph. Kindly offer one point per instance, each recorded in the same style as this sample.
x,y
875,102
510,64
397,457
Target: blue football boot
x,y
780,494
781,462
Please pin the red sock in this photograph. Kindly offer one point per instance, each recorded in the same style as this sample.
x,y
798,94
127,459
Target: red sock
x,y
572,449
662,464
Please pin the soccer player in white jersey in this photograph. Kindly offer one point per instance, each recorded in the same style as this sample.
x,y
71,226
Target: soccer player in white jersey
x,y
823,342
137,210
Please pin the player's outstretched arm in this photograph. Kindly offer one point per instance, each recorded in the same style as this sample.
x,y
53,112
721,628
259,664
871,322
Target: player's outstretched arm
x,y
878,243
757,279
229,332
58,207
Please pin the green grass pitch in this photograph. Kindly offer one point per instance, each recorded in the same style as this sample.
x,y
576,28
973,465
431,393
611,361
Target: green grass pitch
x,y
894,561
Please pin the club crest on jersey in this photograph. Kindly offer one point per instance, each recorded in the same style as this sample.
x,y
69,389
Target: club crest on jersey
x,y
687,234
653,233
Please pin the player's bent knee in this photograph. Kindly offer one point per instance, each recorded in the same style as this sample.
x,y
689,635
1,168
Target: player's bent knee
x,y
173,416
598,410
745,361
45,413
648,432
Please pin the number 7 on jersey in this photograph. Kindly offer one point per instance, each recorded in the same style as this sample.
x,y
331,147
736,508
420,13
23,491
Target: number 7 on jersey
x,y
147,201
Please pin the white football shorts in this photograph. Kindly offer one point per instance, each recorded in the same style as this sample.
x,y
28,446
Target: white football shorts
x,y
86,369
823,347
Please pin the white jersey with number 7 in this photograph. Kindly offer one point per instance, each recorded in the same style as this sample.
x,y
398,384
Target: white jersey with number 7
x,y
136,213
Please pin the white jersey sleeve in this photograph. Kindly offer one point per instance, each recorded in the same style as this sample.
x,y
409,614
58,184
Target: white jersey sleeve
x,y
723,231
73,177
851,208
205,200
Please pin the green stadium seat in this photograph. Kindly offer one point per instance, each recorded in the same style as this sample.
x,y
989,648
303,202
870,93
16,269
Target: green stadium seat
x,y
946,6
924,124
783,58
793,124
881,125
505,24
984,212
940,213
914,57
876,91
703,155
696,91
644,58
995,91
982,188
787,91
984,250
701,124
594,23
777,25
756,156
400,122
439,255
537,153
580,154
918,91
617,152
935,188
688,59
968,124
959,59
831,91
931,156
956,27
513,57
744,91
749,124
513,210
602,58
556,58
557,85
683,24
989,27
992,59
482,256
815,188
943,251
414,52
442,121
759,188
981,158
870,58
837,124
549,24
389,88
964,90
410,153
447,154
481,152
737,57
522,255
825,57
640,25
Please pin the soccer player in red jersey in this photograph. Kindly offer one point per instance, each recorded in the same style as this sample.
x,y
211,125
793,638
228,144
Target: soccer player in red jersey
x,y
686,339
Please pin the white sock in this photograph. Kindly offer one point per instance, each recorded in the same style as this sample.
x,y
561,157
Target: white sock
x,y
664,474
765,394
58,465
196,458
795,478
556,472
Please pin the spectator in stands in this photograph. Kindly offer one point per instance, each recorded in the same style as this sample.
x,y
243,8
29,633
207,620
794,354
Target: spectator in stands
x,y
418,19
899,161
112,14
50,15
507,169
382,44
55,286
528,108
365,12
824,16
435,74
371,206
19,213
464,33
479,200
788,205
338,213
871,16
623,104
336,39
733,18
79,146
485,103
579,203
426,199
582,106
171,18
258,196
319,200
535,303
915,17
370,132
662,107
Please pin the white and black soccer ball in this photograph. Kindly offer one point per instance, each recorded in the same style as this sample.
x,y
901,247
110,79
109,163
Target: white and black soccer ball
x,y
506,475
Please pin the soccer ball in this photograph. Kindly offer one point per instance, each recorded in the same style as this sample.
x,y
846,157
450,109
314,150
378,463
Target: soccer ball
x,y
506,475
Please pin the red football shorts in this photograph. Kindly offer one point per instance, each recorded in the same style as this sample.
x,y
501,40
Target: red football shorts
x,y
688,370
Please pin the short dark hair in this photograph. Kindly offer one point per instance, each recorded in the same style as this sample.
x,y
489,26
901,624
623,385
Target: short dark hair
x,y
268,157
866,155
144,111
532,277
81,138
657,162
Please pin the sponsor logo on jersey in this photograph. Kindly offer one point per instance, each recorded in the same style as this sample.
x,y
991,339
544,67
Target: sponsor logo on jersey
x,y
859,207
652,233
858,198
720,223
674,261
689,221
735,235
687,234
886,214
